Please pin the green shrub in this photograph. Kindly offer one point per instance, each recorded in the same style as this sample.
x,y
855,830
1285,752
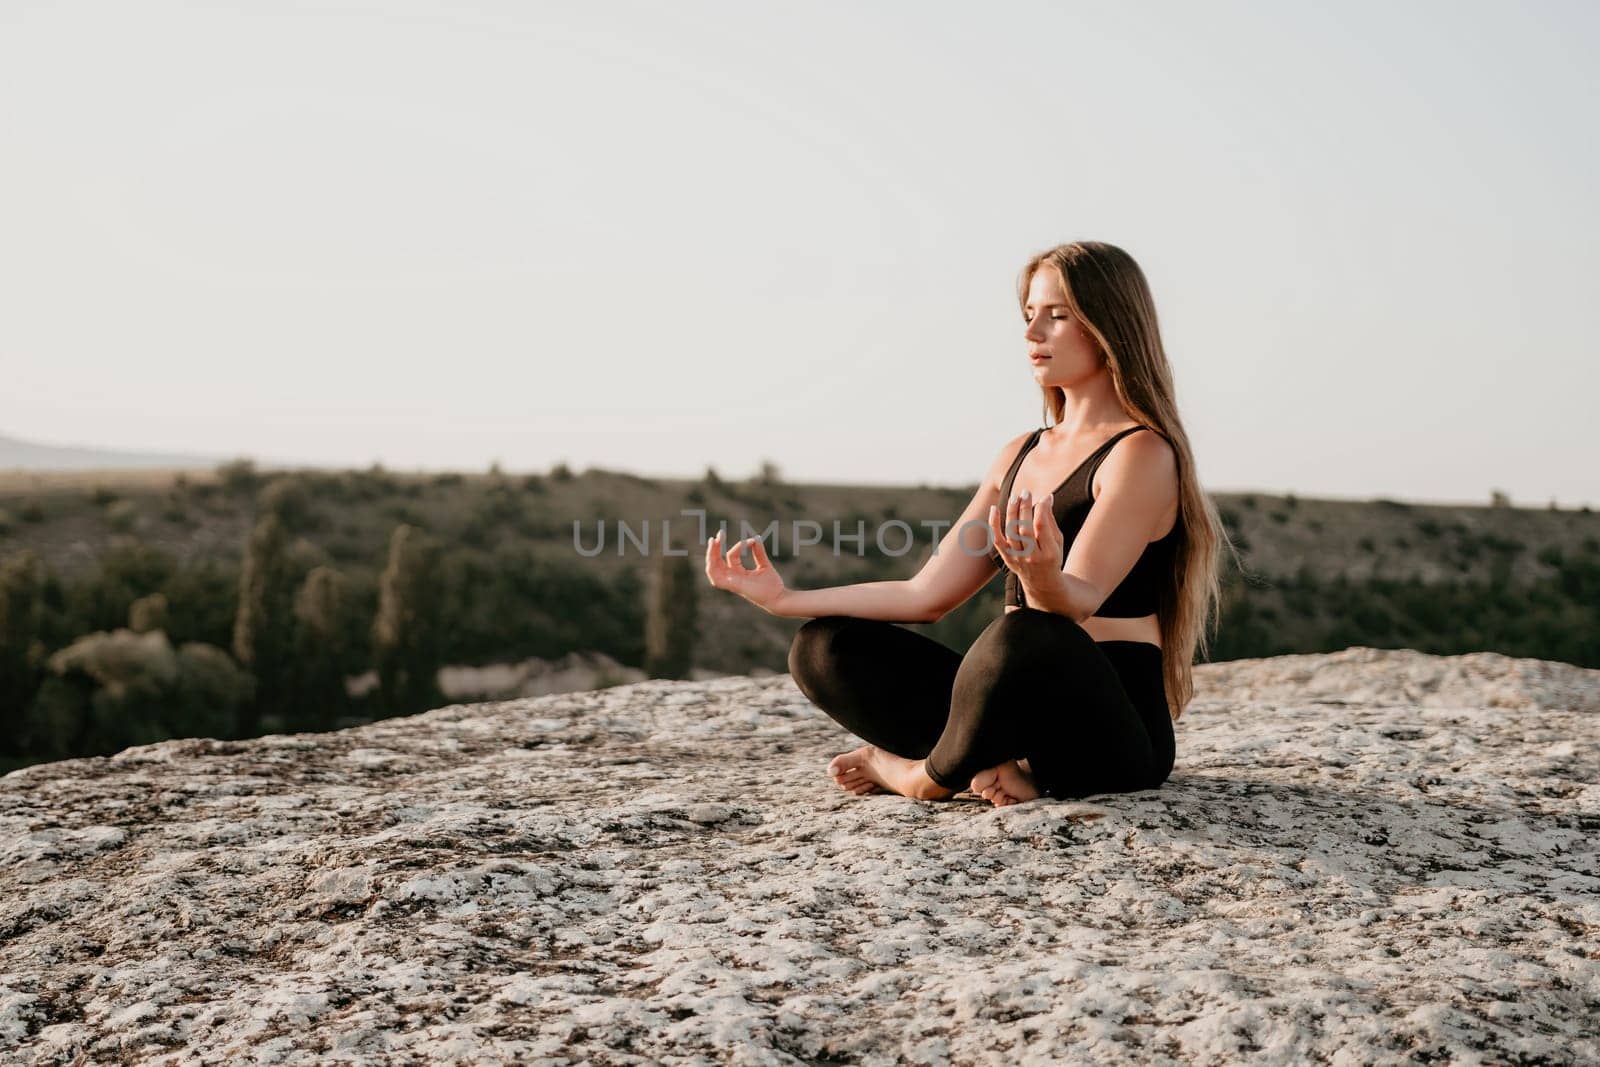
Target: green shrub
x,y
404,514
128,570
374,483
1507,545
287,499
122,515
203,602
113,689
540,527
148,613
211,695
238,476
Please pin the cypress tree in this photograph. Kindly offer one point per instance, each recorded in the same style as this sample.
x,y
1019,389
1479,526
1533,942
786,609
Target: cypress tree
x,y
669,628
263,629
319,607
21,652
406,633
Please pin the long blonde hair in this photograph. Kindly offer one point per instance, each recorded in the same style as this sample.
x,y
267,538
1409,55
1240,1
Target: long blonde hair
x,y
1108,293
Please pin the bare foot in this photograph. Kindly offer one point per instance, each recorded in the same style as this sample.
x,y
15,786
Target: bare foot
x,y
869,769
1009,783
849,769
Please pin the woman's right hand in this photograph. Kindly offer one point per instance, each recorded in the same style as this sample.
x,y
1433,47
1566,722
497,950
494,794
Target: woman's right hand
x,y
762,586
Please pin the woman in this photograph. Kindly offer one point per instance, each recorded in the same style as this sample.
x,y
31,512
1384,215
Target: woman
x,y
1110,553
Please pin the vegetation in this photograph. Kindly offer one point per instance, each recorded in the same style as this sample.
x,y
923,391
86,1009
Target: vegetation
x,y
248,601
405,635
670,624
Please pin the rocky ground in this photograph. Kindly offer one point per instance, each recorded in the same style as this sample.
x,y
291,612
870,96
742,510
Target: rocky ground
x,y
1367,856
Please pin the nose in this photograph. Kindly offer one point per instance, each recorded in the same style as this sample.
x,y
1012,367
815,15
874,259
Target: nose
x,y
1032,331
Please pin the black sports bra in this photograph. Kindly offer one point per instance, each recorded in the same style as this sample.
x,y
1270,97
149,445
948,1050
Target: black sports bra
x,y
1137,594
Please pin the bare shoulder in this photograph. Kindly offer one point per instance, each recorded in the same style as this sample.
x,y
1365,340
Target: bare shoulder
x,y
1146,460
1002,460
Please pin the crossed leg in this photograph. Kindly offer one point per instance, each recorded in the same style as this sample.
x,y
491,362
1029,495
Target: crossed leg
x,y
1033,686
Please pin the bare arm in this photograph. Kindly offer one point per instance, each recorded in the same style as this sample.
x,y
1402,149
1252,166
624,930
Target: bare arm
x,y
891,601
959,567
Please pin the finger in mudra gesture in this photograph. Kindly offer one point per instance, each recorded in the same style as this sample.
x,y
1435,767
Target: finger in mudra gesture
x,y
726,570
1029,540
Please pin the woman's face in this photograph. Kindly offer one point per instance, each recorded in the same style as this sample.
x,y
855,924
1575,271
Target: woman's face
x,y
1054,332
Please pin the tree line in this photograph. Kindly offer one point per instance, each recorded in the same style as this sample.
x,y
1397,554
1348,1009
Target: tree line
x,y
295,636
140,648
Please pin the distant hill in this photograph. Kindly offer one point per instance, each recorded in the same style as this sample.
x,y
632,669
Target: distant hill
x,y
26,455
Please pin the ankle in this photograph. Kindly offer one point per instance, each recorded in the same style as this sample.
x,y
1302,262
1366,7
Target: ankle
x,y
925,787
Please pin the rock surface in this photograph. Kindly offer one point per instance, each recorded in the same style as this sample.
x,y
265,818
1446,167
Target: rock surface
x,y
1362,856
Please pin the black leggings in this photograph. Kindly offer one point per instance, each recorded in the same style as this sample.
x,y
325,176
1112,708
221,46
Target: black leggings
x,y
1089,716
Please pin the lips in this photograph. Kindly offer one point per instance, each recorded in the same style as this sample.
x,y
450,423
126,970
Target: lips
x,y
1037,358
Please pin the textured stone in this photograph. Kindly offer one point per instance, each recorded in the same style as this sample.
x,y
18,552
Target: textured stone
x,y
1362,856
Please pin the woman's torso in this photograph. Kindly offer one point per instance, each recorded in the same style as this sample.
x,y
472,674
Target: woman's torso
x,y
1042,471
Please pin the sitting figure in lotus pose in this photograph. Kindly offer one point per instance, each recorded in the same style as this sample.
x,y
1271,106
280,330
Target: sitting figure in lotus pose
x,y
1110,553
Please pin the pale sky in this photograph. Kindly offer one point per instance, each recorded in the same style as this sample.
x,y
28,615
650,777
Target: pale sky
x,y
659,237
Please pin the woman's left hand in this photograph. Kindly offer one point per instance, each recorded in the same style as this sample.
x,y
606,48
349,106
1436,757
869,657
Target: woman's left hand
x,y
1034,549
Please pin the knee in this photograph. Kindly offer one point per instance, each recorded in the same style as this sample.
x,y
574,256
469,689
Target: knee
x,y
1023,634
815,648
